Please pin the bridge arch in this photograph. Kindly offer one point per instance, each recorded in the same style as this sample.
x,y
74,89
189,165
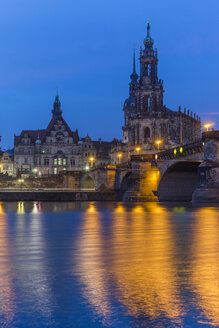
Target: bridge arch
x,y
126,181
87,183
179,181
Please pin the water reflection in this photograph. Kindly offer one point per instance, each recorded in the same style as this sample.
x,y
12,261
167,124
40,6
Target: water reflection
x,y
7,306
91,266
136,260
32,279
20,208
109,264
205,264
143,262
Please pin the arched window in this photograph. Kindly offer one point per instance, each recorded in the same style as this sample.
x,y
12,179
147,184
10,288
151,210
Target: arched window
x,y
133,136
146,103
147,133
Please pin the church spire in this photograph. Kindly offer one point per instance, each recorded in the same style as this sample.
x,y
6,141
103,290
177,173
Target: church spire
x,y
134,75
148,41
148,29
134,60
57,106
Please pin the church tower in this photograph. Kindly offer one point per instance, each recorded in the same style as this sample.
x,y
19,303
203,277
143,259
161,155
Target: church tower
x,y
147,120
149,96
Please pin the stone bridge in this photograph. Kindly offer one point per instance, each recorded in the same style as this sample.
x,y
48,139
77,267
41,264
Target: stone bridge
x,y
185,173
170,175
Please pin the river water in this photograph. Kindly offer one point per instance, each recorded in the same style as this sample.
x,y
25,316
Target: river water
x,y
108,265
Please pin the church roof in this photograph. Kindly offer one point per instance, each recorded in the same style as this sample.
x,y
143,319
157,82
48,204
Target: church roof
x,y
129,102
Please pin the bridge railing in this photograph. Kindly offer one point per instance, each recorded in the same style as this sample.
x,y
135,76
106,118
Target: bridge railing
x,y
180,151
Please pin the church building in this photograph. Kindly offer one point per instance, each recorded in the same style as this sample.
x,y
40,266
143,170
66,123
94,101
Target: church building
x,y
147,119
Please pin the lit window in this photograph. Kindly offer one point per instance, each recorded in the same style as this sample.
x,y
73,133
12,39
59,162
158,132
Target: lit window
x,y
64,161
55,170
59,161
55,161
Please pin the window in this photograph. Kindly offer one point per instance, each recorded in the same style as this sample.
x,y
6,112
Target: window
x,y
147,133
25,160
46,161
148,70
59,161
72,162
55,170
64,161
55,161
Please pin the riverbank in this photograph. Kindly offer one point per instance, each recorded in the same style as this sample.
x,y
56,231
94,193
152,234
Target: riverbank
x,y
59,195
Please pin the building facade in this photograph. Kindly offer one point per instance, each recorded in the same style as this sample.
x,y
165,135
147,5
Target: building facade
x,y
57,148
147,119
7,166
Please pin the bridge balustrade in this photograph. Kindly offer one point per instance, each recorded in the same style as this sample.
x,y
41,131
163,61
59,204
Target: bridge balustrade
x,y
180,151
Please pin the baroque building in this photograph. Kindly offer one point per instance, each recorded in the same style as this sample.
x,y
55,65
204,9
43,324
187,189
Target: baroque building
x,y
57,148
146,118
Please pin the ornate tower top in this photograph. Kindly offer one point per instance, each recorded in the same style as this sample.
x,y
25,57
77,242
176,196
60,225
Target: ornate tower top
x,y
57,106
133,76
148,41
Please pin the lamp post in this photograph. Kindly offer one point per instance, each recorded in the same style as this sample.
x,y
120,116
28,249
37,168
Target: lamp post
x,y
21,181
138,149
119,157
158,142
35,172
207,126
92,159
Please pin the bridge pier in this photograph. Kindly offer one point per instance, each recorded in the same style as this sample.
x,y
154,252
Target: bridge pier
x,y
208,188
145,178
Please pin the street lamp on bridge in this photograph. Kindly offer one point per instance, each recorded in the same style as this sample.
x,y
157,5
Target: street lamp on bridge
x,y
138,149
119,157
207,126
158,142
92,159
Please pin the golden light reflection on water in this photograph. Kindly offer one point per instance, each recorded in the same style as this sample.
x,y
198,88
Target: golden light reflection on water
x,y
205,265
20,208
143,263
140,262
6,291
90,263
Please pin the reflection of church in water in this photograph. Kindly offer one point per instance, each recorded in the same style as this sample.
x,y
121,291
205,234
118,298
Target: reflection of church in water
x,y
146,118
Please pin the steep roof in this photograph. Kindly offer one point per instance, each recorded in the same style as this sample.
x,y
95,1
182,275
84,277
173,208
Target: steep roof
x,y
41,134
32,134
103,148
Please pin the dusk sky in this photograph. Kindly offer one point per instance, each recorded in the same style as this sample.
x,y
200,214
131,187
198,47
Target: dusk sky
x,y
84,48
